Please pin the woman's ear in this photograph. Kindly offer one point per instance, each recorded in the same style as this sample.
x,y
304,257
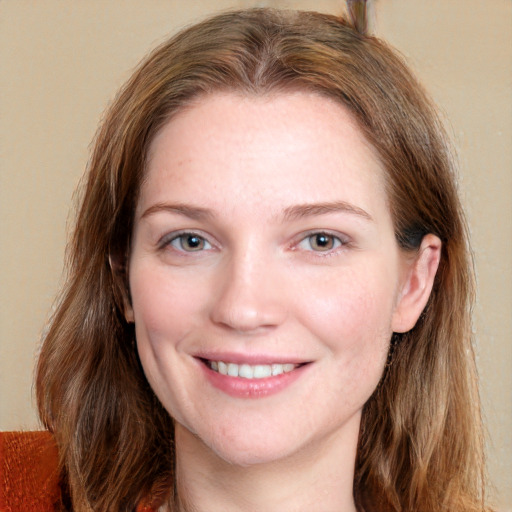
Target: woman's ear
x,y
128,311
121,294
417,284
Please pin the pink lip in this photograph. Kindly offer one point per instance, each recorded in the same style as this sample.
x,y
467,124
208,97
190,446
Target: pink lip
x,y
239,387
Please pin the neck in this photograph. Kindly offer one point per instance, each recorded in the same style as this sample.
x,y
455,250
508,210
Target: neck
x,y
319,478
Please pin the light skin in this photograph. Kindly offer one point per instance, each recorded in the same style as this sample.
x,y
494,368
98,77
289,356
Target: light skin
x,y
263,234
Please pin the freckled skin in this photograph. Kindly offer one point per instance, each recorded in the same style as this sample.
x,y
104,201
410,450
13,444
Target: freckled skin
x,y
258,287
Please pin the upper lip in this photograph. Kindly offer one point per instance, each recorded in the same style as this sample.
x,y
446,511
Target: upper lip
x,y
251,359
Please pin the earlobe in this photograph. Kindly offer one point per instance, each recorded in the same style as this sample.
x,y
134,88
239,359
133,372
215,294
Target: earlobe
x,y
417,286
120,290
128,313
126,303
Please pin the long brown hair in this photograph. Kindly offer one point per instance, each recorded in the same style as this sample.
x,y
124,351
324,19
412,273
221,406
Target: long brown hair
x,y
421,438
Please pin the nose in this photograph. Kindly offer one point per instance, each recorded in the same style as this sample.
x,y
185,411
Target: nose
x,y
250,296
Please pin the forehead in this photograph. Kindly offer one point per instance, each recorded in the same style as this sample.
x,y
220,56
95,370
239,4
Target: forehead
x,y
232,150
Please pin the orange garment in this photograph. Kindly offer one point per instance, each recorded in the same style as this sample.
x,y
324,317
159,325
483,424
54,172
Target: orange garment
x,y
29,475
29,479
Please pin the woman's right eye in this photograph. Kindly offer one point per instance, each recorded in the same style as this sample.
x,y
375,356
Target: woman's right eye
x,y
189,242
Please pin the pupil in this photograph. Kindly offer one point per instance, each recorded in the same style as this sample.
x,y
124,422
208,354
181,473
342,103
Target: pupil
x,y
193,242
323,241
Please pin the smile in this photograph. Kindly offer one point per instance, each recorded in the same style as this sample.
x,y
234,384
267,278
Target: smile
x,y
248,371
257,380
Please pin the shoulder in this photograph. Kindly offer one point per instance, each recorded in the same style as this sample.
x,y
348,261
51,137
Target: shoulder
x,y
29,474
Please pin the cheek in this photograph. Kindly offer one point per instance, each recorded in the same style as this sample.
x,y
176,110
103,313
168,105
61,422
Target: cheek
x,y
353,322
351,310
164,305
165,311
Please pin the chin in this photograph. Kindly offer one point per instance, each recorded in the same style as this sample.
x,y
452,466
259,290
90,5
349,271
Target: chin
x,y
245,447
246,456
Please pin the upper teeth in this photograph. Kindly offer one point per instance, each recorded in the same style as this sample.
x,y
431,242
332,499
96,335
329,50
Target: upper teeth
x,y
247,371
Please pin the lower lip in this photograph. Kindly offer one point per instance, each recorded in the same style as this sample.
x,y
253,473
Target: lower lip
x,y
239,387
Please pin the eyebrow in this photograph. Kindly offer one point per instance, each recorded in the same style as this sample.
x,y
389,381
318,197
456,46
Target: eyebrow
x,y
310,210
192,212
291,213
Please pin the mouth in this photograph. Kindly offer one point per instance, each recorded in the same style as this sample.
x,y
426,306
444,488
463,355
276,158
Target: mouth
x,y
249,371
261,378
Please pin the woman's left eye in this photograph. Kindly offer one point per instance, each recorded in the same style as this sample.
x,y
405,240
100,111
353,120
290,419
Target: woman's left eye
x,y
320,242
190,242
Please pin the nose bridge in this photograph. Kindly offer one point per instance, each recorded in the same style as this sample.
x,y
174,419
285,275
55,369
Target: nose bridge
x,y
248,297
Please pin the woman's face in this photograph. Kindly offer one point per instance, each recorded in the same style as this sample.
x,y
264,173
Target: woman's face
x,y
264,274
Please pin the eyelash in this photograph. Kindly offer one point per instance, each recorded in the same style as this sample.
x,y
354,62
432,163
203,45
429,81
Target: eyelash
x,y
179,237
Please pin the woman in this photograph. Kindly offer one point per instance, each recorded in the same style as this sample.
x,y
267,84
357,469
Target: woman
x,y
269,285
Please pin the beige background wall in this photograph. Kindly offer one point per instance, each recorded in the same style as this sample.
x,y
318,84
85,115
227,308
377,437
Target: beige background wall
x,y
61,62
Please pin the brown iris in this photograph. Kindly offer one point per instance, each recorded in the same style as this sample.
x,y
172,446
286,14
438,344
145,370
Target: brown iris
x,y
321,242
190,242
